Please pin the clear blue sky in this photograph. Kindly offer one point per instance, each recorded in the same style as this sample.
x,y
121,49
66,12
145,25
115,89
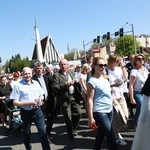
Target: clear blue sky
x,y
66,21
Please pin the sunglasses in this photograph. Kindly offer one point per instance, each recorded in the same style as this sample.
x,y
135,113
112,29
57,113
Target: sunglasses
x,y
10,78
130,58
102,65
139,59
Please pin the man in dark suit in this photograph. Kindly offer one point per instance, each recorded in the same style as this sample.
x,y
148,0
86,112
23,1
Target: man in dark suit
x,y
46,84
67,95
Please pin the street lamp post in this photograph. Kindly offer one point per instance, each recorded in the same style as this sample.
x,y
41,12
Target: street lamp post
x,y
123,37
134,44
84,44
84,51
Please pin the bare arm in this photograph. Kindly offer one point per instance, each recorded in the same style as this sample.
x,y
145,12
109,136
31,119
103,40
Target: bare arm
x,y
83,83
124,70
125,73
131,89
24,103
90,95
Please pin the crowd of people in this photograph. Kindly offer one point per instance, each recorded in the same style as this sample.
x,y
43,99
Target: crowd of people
x,y
106,88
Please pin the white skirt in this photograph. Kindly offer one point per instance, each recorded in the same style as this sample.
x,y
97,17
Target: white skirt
x,y
141,139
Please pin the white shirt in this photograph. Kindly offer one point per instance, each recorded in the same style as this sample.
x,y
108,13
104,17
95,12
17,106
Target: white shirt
x,y
141,77
117,73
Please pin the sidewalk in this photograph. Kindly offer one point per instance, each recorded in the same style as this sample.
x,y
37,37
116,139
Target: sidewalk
x,y
84,141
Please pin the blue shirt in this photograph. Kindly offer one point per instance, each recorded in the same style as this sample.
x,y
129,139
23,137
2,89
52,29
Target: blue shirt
x,y
102,101
24,91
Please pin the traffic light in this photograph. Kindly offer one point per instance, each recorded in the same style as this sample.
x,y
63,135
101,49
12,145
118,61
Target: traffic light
x,y
94,40
98,39
104,36
116,33
0,60
108,35
121,32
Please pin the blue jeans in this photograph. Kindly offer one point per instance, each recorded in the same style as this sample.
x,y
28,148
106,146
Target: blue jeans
x,y
138,98
36,116
104,121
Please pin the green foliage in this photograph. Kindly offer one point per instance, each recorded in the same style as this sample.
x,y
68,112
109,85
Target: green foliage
x,y
70,55
17,64
103,43
124,45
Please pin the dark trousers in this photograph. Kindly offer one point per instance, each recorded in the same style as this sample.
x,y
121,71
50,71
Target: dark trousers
x,y
72,112
36,116
50,112
50,121
104,121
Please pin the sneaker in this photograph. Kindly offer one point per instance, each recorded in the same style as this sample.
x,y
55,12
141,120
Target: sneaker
x,y
121,142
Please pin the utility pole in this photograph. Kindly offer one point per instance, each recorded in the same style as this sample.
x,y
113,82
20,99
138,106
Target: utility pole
x,y
84,44
124,48
134,44
68,47
84,51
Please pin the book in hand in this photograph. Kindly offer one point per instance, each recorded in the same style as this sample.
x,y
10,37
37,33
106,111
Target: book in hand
x,y
118,81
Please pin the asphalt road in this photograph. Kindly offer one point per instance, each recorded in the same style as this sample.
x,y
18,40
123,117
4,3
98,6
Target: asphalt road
x,y
84,140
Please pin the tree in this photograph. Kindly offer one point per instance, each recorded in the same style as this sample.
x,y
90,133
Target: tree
x,y
124,45
17,64
70,55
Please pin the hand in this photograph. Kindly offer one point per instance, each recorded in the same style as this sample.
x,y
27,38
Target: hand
x,y
132,101
33,104
3,97
93,126
76,80
91,121
115,85
69,83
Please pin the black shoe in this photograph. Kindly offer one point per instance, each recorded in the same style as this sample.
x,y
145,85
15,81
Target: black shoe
x,y
75,133
71,137
50,138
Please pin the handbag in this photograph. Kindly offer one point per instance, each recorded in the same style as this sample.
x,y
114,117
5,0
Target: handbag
x,y
119,123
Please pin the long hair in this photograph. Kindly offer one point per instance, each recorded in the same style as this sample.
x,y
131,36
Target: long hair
x,y
95,61
112,59
135,59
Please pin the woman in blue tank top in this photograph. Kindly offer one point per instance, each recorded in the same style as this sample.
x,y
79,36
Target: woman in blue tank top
x,y
99,105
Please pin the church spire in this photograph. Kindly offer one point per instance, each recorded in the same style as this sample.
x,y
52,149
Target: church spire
x,y
38,43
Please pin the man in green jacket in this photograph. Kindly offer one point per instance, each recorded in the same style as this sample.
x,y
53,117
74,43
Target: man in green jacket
x,y
68,96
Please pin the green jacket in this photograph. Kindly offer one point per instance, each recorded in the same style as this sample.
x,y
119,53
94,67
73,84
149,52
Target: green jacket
x,y
61,90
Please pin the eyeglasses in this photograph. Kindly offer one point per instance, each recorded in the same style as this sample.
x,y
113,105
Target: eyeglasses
x,y
10,78
102,65
139,59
